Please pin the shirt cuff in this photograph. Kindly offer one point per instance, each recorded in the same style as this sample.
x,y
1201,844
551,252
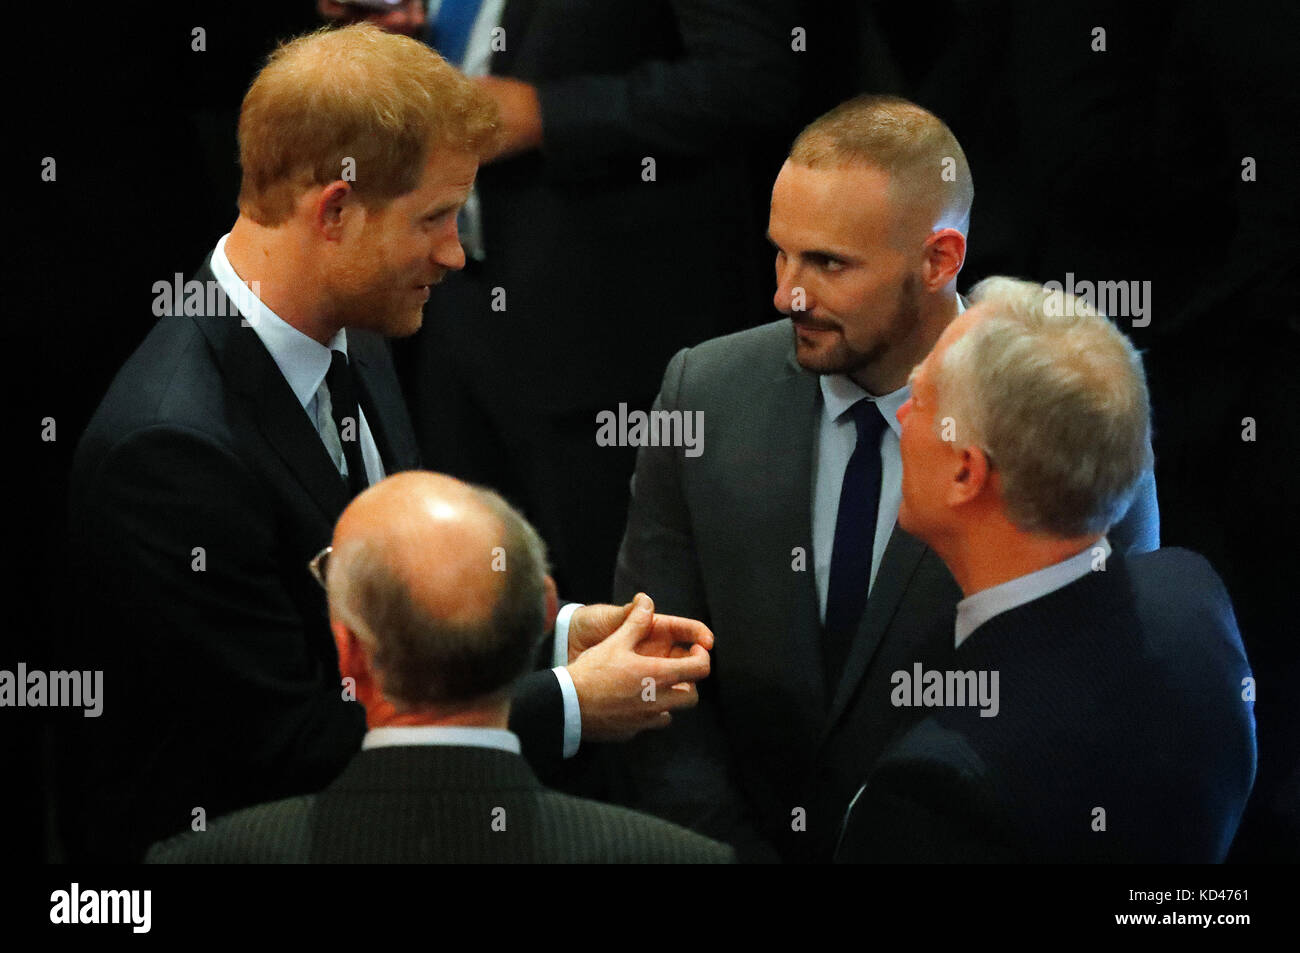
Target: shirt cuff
x,y
572,713
560,656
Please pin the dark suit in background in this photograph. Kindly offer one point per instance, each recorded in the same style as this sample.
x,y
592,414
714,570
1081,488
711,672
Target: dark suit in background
x,y
221,683
1121,691
436,804
717,537
605,275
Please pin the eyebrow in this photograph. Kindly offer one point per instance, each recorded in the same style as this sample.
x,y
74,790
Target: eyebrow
x,y
822,252
442,208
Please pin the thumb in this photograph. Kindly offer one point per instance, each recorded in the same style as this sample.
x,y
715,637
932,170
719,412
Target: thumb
x,y
637,624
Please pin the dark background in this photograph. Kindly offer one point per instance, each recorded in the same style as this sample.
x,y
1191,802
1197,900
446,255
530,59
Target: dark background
x,y
1116,165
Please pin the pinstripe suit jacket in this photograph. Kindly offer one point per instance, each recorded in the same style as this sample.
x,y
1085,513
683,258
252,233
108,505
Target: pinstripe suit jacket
x,y
438,804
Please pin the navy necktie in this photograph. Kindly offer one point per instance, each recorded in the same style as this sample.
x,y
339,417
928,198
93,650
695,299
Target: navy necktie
x,y
855,533
347,418
452,27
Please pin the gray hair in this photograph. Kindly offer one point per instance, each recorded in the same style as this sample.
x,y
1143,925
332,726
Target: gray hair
x,y
1056,396
421,659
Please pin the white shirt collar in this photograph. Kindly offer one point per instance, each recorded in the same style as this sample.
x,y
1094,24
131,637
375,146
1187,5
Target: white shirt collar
x,y
302,360
975,610
465,737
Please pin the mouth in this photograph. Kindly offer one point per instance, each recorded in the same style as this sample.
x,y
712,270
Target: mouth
x,y
808,325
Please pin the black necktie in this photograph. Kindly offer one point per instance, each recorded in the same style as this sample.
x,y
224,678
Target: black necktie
x,y
855,533
347,419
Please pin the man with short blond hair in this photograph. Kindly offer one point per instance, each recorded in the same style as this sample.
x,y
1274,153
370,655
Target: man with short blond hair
x,y
233,437
782,535
1119,726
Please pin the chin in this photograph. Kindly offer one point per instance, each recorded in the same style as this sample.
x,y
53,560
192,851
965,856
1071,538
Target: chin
x,y
402,325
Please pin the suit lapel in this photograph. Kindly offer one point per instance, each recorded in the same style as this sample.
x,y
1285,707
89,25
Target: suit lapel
x,y
253,375
793,399
902,556
382,404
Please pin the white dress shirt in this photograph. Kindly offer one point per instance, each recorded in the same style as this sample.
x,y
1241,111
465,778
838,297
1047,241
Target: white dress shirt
x,y
457,735
304,362
976,609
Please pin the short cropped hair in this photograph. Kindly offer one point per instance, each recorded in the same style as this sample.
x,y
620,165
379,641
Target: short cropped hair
x,y
420,659
1056,395
925,163
356,93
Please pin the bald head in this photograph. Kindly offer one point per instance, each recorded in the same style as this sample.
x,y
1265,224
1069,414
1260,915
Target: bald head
x,y
444,582
436,535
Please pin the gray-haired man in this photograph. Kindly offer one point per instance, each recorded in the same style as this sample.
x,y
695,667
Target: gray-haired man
x,y
1120,725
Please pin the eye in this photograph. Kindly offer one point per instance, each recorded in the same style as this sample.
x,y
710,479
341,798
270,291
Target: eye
x,y
826,263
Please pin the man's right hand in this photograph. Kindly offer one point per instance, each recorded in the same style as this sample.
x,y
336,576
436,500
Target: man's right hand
x,y
635,678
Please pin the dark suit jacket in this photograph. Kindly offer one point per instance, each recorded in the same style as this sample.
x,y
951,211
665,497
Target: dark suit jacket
x,y
199,491
435,804
727,537
692,84
1121,692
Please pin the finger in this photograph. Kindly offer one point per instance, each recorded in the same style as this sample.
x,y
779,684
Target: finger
x,y
677,698
637,624
677,628
692,668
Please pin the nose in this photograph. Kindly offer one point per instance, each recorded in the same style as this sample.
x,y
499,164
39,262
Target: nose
x,y
787,285
447,250
904,410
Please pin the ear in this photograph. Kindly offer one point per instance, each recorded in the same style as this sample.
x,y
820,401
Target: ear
x,y
352,656
552,603
971,474
329,208
945,253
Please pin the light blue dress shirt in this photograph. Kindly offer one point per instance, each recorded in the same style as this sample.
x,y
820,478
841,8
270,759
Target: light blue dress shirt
x,y
832,446
976,609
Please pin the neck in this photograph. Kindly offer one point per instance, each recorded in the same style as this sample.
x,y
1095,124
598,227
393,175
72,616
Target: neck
x,y
997,552
284,273
491,713
891,370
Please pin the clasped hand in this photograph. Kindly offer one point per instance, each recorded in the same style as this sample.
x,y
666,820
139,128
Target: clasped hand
x,y
633,668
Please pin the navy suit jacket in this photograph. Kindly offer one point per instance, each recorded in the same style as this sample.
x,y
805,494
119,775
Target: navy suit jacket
x,y
200,490
1122,733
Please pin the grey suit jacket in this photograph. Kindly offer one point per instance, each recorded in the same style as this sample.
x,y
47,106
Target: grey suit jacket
x,y
438,804
726,537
